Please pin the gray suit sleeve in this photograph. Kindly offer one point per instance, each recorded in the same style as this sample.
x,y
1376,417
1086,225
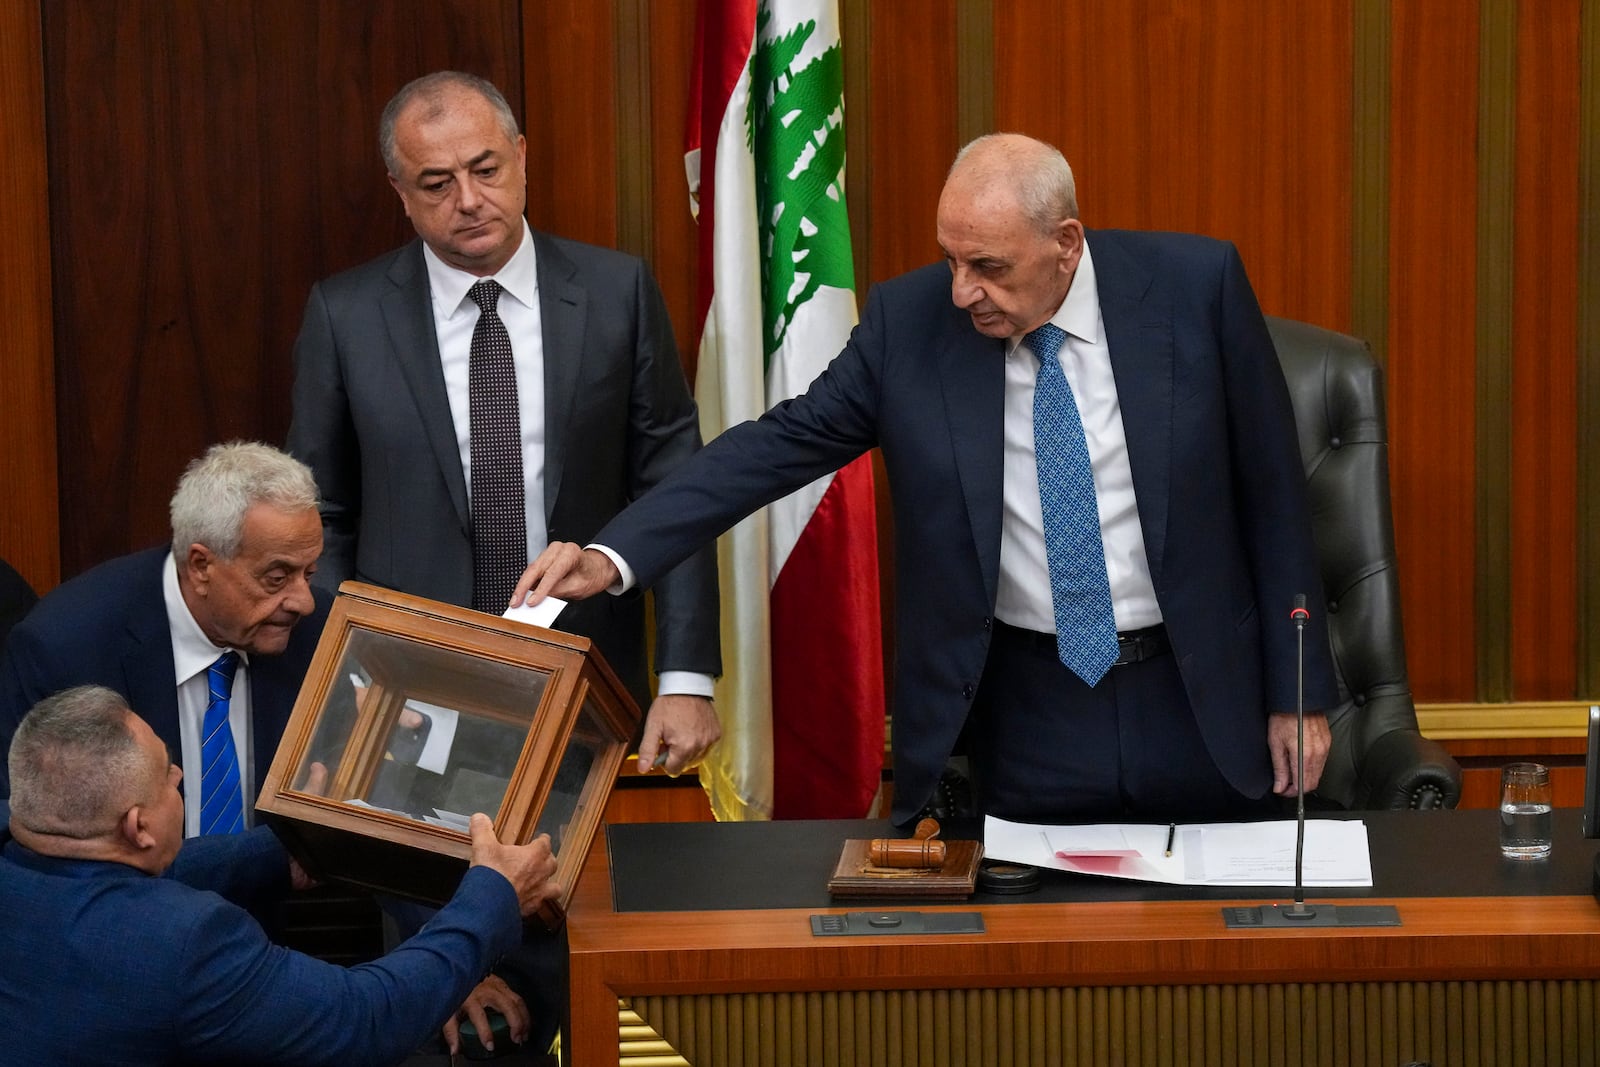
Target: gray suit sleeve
x,y
322,436
664,428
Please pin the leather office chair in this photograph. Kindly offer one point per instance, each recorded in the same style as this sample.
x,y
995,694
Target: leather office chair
x,y
1379,758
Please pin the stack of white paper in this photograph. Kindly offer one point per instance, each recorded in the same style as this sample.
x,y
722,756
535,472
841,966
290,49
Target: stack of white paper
x,y
1243,854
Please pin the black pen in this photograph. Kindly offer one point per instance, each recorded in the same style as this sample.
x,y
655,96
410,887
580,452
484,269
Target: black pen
x,y
1172,832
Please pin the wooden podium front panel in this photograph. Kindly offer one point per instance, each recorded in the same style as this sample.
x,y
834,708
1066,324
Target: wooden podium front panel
x,y
1092,972
1334,1023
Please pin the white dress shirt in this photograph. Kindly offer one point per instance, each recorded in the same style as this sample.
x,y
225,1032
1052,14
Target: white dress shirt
x,y
192,654
1023,596
454,316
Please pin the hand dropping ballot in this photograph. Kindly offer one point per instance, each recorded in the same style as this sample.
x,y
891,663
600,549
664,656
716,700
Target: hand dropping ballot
x,y
1217,854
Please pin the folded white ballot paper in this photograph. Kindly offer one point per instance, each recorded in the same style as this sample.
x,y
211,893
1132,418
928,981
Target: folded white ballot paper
x,y
1242,854
541,614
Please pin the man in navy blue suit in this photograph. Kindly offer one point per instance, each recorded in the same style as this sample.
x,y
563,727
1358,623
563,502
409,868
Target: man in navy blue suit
x,y
1204,535
111,961
246,537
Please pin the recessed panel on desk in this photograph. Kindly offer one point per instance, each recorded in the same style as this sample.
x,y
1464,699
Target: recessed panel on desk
x,y
415,715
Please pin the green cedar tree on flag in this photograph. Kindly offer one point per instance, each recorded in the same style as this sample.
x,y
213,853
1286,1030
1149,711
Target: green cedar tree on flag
x,y
802,697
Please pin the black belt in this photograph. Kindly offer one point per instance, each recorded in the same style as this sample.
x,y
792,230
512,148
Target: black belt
x,y
1132,645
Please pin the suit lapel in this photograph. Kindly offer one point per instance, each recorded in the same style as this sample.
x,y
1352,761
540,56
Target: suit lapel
x,y
1138,325
563,315
972,374
408,314
147,658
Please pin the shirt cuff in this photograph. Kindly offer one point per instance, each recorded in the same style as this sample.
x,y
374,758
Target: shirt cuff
x,y
684,683
625,583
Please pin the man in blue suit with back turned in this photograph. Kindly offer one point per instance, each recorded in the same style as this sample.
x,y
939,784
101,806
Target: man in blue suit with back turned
x,y
1100,514
109,961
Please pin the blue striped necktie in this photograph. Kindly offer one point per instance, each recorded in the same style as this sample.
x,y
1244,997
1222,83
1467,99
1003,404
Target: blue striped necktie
x,y
1080,592
221,796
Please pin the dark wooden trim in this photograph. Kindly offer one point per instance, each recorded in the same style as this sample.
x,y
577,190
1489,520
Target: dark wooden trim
x,y
974,69
855,35
1369,179
1588,441
631,61
1497,101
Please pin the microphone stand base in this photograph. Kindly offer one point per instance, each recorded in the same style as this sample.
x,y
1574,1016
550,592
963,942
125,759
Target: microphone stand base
x,y
1294,916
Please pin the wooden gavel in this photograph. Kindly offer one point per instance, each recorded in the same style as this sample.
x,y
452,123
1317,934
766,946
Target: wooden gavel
x,y
921,850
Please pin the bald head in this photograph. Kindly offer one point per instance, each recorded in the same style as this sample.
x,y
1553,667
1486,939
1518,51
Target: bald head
x,y
1031,176
1009,229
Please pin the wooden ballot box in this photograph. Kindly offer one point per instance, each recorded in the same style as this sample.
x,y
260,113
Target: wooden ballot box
x,y
416,714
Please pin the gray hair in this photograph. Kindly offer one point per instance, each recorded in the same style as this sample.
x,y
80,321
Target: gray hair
x,y
1038,172
218,488
75,766
434,91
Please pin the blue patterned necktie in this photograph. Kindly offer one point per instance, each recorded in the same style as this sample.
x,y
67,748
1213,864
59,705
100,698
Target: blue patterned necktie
x,y
1086,627
221,798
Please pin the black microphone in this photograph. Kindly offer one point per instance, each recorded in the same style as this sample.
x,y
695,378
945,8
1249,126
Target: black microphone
x,y
1300,616
1300,914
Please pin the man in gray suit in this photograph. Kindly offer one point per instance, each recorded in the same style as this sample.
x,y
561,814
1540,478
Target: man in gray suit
x,y
431,488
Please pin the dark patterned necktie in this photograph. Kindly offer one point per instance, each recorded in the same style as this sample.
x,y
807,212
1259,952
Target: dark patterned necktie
x,y
1086,626
221,796
499,518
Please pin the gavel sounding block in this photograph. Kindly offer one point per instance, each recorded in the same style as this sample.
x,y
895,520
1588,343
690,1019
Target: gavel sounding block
x,y
920,868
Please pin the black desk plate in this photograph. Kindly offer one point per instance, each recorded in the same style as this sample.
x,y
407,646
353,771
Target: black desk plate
x,y
1283,916
878,923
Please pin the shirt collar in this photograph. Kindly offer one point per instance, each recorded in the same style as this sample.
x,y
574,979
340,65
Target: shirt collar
x,y
192,650
1079,313
519,277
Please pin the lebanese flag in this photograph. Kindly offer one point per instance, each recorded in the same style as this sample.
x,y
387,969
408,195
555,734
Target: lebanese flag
x,y
801,699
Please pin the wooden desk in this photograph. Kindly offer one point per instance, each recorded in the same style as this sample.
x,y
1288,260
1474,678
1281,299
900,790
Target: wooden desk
x,y
1468,978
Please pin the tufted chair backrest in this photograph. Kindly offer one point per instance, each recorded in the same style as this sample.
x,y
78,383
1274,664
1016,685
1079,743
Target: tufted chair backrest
x,y
1379,758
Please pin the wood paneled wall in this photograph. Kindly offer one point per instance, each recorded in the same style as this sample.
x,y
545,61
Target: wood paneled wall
x,y
1421,172
29,525
208,163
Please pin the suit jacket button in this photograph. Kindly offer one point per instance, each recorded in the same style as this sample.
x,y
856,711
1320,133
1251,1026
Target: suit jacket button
x,y
967,691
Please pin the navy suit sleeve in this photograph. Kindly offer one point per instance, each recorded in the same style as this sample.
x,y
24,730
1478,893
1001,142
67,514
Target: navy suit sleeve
x,y
1274,514
322,436
754,463
245,999
249,869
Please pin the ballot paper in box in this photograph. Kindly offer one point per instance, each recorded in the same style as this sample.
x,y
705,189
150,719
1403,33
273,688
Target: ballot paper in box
x,y
416,714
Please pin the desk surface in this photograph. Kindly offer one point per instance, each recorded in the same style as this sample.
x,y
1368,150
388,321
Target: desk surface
x,y
737,866
723,908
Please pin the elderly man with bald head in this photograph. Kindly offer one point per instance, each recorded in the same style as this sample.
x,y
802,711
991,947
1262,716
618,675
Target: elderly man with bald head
x,y
1100,514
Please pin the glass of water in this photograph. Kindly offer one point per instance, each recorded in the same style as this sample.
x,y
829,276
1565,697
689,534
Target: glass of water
x,y
1525,800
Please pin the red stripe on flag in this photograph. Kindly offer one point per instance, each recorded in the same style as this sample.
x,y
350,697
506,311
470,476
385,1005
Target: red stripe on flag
x,y
827,659
725,31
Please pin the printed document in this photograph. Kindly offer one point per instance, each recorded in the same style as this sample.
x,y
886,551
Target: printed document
x,y
1220,854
